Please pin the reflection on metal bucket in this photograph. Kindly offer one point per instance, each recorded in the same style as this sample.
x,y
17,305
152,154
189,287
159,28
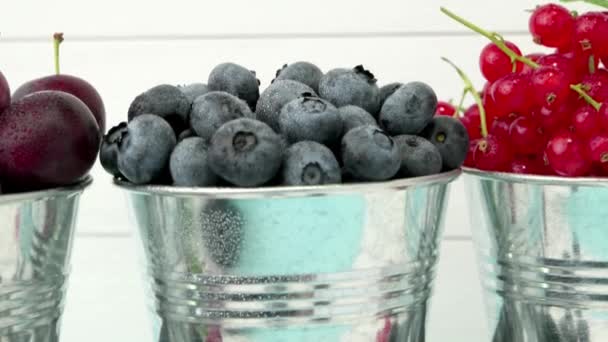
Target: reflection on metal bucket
x,y
36,232
543,252
342,263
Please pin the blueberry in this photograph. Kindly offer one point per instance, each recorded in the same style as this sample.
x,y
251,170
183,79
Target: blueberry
x,y
451,138
303,72
310,163
166,101
145,149
310,118
353,117
108,152
246,152
278,94
355,86
369,154
189,165
214,109
419,157
186,134
388,90
409,109
194,90
236,80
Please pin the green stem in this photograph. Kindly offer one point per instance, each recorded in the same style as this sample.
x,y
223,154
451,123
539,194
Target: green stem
x,y
468,86
601,3
57,39
579,89
592,64
459,108
493,37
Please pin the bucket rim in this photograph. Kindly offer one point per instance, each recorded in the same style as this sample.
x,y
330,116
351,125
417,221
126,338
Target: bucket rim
x,y
536,179
288,191
66,190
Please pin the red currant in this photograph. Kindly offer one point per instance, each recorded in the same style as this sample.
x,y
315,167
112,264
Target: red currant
x,y
596,85
492,154
511,95
526,136
494,63
562,62
472,110
472,146
552,25
598,148
591,33
472,123
500,126
580,62
567,155
551,86
489,105
534,57
445,108
586,121
553,118
603,114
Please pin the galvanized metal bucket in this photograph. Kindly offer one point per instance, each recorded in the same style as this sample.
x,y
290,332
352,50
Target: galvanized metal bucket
x,y
330,263
542,247
36,230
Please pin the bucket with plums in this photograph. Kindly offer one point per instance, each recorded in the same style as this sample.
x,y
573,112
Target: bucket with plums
x,y
311,211
536,179
50,131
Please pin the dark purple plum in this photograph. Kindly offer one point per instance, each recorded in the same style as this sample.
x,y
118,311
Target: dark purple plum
x,y
49,138
5,93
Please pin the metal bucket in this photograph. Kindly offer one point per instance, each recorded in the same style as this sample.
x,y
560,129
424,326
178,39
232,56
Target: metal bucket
x,y
36,230
332,263
542,246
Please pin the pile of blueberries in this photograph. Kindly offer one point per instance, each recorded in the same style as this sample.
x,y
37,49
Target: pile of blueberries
x,y
306,128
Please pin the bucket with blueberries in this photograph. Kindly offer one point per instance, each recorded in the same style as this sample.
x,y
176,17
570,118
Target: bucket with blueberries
x,y
326,263
36,231
290,215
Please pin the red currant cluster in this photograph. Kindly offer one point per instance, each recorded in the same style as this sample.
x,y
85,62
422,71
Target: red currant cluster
x,y
542,113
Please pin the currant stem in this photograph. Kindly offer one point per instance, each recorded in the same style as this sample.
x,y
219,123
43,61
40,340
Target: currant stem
x,y
57,39
459,108
468,86
592,64
579,89
493,37
601,3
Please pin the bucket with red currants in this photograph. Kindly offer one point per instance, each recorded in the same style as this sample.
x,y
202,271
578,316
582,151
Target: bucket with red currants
x,y
49,140
288,215
536,178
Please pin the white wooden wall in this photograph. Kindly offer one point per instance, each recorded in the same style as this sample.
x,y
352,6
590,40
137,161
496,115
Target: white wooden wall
x,y
124,47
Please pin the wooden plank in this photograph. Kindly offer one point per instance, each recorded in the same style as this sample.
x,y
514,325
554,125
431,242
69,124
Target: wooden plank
x,y
31,18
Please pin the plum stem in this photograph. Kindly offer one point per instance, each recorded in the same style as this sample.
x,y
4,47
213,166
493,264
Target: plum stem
x,y
493,37
57,40
601,3
468,86
579,89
